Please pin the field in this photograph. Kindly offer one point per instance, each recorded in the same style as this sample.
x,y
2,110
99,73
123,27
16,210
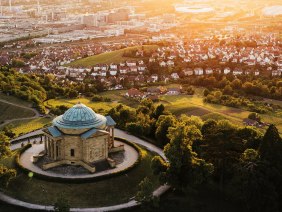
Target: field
x,y
178,104
108,57
8,112
194,105
25,126
15,100
112,191
99,107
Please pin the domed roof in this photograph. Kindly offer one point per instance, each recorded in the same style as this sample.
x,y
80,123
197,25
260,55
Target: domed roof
x,y
79,117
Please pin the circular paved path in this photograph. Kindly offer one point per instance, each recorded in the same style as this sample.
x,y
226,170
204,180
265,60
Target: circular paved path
x,y
132,203
26,160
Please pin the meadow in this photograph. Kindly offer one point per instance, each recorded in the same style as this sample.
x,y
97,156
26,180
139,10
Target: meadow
x,y
25,126
109,57
8,112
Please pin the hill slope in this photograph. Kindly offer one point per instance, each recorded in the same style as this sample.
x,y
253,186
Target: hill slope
x,y
109,57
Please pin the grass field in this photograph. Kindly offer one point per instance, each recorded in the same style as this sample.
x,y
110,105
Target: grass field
x,y
8,112
108,57
102,193
99,107
25,126
194,105
15,100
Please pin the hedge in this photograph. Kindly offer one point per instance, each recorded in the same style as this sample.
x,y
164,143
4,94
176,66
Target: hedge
x,y
80,180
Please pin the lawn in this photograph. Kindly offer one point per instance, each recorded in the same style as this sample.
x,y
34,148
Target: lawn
x,y
15,100
108,192
25,126
118,97
194,105
108,57
8,112
99,107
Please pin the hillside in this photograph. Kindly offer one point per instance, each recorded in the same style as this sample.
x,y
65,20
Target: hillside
x,y
109,57
11,112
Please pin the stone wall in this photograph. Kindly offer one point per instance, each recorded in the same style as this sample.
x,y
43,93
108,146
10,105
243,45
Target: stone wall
x,y
95,148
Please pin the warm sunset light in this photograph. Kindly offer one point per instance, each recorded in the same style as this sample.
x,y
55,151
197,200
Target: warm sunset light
x,y
141,105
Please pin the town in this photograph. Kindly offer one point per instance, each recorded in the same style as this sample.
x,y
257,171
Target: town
x,y
144,105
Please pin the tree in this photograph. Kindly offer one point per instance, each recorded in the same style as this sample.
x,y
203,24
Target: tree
x,y
8,132
192,120
159,111
271,146
134,128
236,84
252,184
251,136
62,204
163,124
184,168
145,195
73,94
6,174
4,146
254,116
270,153
208,127
228,90
222,147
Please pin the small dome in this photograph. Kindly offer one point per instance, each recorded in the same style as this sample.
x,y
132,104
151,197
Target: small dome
x,y
80,117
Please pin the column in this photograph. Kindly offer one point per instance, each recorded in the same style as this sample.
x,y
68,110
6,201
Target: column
x,y
45,144
52,149
113,137
49,146
55,150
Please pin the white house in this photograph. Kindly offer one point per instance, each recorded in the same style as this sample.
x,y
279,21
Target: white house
x,y
174,76
199,71
226,70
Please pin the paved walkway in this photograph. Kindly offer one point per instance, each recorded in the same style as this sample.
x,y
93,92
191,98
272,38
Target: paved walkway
x,y
132,203
26,160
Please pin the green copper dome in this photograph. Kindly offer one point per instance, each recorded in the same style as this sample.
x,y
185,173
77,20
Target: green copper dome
x,y
80,117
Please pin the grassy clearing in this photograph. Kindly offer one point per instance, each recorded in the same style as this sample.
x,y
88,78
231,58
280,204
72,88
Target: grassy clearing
x,y
15,100
194,105
109,57
99,107
118,97
25,126
8,112
103,193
